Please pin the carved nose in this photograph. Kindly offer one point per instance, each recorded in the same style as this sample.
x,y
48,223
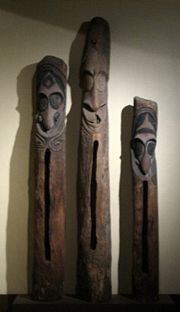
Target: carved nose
x,y
145,163
91,100
48,119
95,100
95,107
90,105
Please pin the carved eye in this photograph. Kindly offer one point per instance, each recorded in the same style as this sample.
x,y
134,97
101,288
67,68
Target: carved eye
x,y
101,81
138,147
87,82
56,100
151,147
42,102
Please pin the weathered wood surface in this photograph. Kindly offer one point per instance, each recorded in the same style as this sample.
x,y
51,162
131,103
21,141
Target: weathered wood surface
x,y
145,243
94,238
49,143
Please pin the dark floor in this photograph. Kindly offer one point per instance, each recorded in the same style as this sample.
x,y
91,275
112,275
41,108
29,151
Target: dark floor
x,y
13,303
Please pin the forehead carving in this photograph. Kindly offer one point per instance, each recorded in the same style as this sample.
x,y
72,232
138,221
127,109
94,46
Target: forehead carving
x,y
145,122
51,70
97,48
49,85
48,81
145,117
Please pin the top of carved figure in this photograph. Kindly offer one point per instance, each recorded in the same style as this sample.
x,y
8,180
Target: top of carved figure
x,y
95,73
51,98
96,55
144,136
53,64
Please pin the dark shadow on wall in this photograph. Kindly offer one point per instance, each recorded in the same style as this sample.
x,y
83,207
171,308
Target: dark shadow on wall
x,y
19,222
21,206
126,204
72,143
31,191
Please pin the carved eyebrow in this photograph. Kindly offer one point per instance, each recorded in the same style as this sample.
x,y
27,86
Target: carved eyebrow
x,y
59,92
152,140
145,130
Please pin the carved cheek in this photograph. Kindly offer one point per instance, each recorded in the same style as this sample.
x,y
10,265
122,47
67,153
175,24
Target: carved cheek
x,y
87,81
57,103
90,116
101,82
56,116
101,114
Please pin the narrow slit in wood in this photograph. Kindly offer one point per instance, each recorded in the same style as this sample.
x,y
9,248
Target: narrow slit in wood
x,y
145,229
94,197
47,206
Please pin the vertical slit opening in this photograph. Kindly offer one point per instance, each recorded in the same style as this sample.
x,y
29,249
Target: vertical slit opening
x,y
47,205
93,196
145,229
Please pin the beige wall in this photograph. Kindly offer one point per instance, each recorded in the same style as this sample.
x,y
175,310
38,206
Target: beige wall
x,y
145,61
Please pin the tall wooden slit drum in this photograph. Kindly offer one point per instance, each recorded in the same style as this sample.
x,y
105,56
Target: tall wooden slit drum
x,y
94,237
49,207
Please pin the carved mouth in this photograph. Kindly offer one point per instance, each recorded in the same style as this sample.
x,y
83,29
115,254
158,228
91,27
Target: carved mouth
x,y
94,119
48,133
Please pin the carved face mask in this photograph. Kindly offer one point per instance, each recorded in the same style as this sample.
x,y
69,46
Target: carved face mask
x,y
50,103
94,86
144,141
94,75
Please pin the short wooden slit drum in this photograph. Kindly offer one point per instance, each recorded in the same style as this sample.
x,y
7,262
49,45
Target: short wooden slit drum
x,y
145,240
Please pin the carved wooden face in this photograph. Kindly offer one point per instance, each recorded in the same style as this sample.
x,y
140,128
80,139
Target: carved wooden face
x,y
50,103
94,85
144,140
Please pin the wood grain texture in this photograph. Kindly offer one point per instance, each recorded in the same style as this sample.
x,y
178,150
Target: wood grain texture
x,y
94,237
145,243
49,144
